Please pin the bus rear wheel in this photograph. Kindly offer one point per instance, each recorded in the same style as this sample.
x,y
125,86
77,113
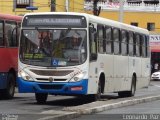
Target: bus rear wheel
x,y
41,97
10,90
132,90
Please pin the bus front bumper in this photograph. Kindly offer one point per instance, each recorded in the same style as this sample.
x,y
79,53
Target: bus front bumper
x,y
55,88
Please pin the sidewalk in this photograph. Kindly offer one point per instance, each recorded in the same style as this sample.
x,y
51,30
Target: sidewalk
x,y
142,95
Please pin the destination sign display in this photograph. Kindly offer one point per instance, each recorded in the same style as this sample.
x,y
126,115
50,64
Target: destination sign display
x,y
54,21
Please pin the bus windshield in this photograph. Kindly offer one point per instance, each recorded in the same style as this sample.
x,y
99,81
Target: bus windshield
x,y
53,47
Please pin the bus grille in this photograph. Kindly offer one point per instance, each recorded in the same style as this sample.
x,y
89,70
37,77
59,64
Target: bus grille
x,y
51,87
45,79
52,72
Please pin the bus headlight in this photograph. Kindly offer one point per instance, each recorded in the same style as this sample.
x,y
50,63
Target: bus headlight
x,y
78,77
25,76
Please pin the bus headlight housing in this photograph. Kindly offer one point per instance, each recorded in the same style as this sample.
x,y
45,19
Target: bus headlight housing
x,y
78,77
25,76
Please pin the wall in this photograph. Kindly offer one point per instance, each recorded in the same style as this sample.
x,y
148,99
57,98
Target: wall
x,y
7,7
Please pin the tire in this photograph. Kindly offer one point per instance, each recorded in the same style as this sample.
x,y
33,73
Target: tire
x,y
97,96
10,90
132,90
41,97
133,87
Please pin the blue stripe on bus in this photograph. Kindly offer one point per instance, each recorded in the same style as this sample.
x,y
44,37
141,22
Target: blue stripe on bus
x,y
59,88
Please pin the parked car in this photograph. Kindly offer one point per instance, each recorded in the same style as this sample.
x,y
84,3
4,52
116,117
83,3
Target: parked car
x,y
155,76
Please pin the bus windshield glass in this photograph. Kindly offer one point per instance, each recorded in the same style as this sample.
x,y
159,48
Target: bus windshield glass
x,y
53,47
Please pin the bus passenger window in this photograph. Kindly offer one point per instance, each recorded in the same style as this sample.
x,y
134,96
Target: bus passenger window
x,y
116,41
100,36
130,43
143,47
147,46
124,43
11,34
1,34
137,45
108,40
93,43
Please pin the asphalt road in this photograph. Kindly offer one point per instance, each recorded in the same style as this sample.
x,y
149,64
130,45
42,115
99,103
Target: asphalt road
x,y
25,106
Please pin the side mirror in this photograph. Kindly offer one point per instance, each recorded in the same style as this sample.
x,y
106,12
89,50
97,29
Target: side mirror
x,y
93,56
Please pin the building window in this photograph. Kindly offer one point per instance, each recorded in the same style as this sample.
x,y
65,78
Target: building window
x,y
134,23
151,26
23,3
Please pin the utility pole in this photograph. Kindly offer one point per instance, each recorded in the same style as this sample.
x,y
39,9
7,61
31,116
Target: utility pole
x,y
67,5
121,10
96,10
53,7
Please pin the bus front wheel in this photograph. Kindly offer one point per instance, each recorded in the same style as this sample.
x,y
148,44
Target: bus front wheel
x,y
41,97
10,90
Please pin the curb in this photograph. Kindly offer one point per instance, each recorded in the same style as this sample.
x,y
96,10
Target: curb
x,y
62,117
79,112
119,104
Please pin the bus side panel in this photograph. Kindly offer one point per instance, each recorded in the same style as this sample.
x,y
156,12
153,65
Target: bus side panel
x,y
135,67
5,63
8,60
146,71
4,60
13,53
104,63
108,69
138,70
121,73
131,68
93,78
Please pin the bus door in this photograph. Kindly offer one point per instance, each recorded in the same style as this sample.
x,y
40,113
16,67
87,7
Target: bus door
x,y
93,68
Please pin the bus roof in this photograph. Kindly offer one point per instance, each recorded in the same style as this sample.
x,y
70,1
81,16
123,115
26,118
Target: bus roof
x,y
97,19
10,17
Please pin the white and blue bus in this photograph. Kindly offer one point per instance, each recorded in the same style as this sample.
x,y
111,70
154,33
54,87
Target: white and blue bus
x,y
80,54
